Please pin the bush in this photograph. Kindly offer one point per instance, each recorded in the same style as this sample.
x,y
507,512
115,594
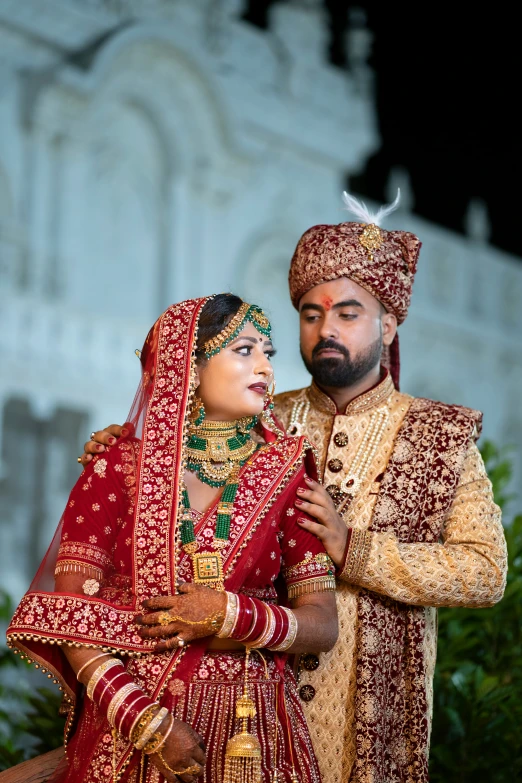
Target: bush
x,y
29,720
478,680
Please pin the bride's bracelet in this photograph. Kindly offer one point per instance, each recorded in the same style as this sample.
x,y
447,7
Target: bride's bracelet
x,y
88,663
118,699
247,634
108,688
147,733
142,721
130,712
99,672
268,631
125,705
258,624
245,617
289,637
158,740
231,616
280,629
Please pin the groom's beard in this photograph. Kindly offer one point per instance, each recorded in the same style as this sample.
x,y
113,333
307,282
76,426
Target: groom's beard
x,y
343,372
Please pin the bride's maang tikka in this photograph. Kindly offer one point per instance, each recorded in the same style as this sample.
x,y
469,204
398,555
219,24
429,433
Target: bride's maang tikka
x,y
246,312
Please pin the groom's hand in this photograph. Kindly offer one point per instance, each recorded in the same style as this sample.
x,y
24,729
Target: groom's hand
x,y
330,527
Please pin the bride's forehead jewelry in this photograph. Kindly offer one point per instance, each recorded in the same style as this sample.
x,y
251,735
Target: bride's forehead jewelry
x,y
246,312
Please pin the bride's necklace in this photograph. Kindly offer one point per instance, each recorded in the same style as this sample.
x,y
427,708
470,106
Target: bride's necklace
x,y
207,566
215,449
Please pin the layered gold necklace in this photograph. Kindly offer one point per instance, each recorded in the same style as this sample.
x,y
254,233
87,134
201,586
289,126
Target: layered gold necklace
x,y
215,448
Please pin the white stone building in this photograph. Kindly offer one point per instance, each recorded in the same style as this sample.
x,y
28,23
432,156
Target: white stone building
x,y
151,150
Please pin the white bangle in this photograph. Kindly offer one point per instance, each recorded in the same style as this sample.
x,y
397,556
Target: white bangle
x,y
291,633
230,616
85,665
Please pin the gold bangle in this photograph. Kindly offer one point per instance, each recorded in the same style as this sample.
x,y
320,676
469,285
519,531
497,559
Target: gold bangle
x,y
85,665
158,740
98,674
151,728
142,720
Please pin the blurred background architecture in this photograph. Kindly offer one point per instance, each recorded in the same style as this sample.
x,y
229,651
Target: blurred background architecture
x,y
155,150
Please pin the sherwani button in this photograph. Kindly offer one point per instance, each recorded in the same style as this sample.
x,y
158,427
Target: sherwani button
x,y
335,465
341,439
307,692
333,490
310,662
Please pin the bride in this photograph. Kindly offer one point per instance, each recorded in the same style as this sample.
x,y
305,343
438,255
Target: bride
x,y
181,579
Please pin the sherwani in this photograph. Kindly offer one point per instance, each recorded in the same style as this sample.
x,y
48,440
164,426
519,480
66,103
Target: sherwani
x,y
466,567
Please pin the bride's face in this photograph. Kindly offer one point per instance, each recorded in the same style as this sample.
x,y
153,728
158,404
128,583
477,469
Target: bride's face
x,y
233,383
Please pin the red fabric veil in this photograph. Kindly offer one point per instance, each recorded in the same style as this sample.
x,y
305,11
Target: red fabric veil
x,y
45,620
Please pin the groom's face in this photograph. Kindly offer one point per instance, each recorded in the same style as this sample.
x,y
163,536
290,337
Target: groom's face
x,y
343,329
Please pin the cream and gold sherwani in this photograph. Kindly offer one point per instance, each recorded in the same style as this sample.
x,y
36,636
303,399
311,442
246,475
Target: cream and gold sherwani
x,y
466,568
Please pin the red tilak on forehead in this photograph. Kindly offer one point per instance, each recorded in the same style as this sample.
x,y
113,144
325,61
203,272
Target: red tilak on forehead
x,y
327,302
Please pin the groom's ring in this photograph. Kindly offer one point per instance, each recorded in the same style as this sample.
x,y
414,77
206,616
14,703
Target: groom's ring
x,y
92,435
164,618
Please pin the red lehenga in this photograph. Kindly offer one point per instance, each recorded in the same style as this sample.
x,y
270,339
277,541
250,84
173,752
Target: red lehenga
x,y
120,523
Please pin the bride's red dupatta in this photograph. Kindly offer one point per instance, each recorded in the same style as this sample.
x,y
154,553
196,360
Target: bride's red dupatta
x,y
45,620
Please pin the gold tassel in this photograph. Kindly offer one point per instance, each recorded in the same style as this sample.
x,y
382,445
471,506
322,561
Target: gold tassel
x,y
243,751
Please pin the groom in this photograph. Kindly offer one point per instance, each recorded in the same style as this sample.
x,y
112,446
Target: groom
x,y
405,508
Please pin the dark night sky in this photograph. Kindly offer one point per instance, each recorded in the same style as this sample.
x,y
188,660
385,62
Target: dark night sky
x,y
447,101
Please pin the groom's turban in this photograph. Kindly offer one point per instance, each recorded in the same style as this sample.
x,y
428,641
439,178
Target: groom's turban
x,y
382,262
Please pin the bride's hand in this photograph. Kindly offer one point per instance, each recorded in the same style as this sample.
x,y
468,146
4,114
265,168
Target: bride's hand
x,y
183,750
176,619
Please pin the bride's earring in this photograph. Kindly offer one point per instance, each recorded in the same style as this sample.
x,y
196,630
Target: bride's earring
x,y
246,423
198,412
268,418
269,399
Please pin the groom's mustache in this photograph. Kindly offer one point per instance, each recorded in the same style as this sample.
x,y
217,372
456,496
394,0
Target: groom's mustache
x,y
322,344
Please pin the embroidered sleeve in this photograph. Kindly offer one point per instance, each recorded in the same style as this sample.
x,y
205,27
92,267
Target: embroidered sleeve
x,y
356,555
306,567
98,506
466,568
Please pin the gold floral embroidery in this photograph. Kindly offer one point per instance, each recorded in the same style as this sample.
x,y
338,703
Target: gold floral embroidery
x,y
91,587
100,467
357,556
176,687
79,551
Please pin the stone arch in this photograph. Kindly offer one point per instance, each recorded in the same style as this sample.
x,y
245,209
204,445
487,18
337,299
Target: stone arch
x,y
143,137
186,101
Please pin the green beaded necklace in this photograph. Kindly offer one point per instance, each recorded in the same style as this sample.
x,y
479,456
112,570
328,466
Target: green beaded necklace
x,y
216,448
208,566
